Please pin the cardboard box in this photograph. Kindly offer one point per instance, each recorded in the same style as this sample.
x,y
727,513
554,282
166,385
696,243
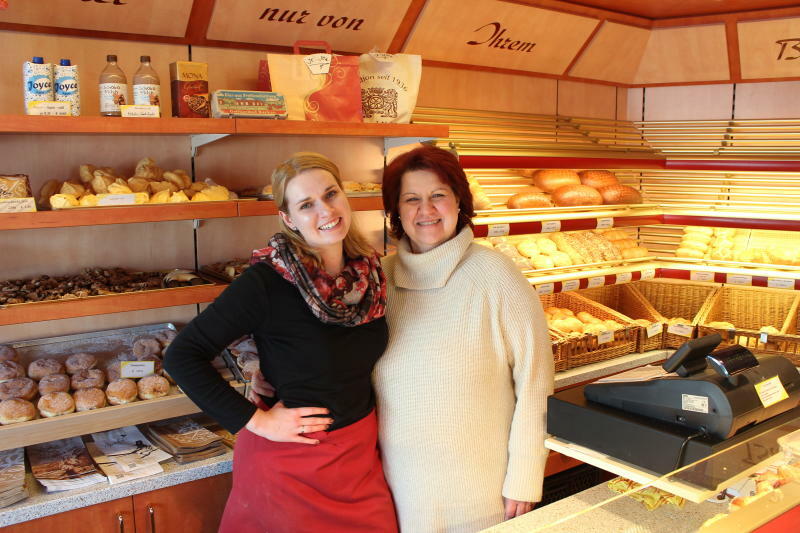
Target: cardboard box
x,y
247,104
189,83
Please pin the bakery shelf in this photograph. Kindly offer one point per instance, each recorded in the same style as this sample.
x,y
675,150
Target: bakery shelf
x,y
115,125
110,303
568,279
91,216
76,424
336,129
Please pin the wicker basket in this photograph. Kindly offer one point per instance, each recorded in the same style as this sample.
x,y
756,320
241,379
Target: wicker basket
x,y
630,303
583,350
751,308
677,298
559,358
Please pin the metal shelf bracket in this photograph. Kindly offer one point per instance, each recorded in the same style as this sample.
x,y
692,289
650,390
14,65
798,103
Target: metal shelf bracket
x,y
203,139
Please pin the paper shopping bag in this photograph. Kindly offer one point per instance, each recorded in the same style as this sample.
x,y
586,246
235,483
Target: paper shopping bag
x,y
389,86
323,87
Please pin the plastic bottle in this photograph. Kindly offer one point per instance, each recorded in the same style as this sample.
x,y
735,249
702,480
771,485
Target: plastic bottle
x,y
38,78
113,88
146,85
67,85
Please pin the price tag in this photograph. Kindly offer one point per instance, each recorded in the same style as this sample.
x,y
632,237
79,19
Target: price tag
x,y
381,57
740,279
498,230
605,337
551,226
571,285
117,199
680,329
771,391
318,63
136,369
654,329
597,281
140,111
780,283
701,276
545,288
698,404
17,205
648,273
50,109
763,337
624,277
605,223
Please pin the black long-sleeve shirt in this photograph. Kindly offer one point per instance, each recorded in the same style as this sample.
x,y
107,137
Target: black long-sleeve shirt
x,y
310,364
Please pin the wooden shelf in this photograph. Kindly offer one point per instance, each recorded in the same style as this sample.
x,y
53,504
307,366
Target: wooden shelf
x,y
115,125
337,129
111,303
76,424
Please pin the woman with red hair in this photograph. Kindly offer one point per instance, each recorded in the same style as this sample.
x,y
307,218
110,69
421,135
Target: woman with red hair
x,y
462,386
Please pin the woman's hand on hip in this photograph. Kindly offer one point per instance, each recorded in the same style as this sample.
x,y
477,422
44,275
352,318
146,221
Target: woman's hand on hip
x,y
516,508
259,386
281,424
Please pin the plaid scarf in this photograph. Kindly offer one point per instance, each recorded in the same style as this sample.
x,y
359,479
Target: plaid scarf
x,y
355,296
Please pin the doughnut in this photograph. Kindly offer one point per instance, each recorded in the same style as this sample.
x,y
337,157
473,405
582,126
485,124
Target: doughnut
x,y
80,361
249,368
113,371
55,404
24,388
153,387
44,367
88,399
8,353
165,336
121,391
86,379
16,410
246,357
11,370
146,345
151,357
54,383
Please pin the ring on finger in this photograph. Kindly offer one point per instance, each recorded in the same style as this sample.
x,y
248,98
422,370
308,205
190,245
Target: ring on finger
x,y
302,429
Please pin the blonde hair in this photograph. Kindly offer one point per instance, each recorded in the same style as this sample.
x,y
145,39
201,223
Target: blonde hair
x,y
354,244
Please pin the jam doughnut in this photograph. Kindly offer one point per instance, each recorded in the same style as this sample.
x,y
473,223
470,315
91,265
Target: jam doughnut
x,y
16,410
88,399
44,367
24,388
153,387
86,379
56,404
54,383
80,361
11,370
121,391
8,353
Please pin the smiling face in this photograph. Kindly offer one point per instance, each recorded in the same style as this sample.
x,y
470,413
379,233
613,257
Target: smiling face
x,y
428,210
317,208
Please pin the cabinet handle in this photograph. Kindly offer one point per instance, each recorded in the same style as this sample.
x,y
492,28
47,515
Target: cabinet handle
x,y
152,513
121,521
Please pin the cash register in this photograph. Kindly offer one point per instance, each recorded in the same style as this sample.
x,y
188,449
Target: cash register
x,y
701,401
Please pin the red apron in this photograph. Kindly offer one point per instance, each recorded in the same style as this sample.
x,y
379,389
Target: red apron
x,y
335,486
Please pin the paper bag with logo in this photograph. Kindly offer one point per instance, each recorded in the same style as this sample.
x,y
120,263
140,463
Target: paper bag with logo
x,y
389,86
321,87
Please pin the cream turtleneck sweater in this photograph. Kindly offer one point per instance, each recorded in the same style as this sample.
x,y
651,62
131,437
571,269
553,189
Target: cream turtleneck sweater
x,y
462,387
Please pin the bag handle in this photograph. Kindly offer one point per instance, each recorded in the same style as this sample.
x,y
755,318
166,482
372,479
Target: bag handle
x,y
318,44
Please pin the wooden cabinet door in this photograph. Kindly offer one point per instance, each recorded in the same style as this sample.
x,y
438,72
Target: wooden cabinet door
x,y
115,516
195,506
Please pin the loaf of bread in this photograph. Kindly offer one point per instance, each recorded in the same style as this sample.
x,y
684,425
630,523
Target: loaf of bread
x,y
527,200
480,200
575,195
620,194
551,179
598,178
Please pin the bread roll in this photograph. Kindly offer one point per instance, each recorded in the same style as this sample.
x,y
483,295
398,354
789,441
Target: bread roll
x,y
541,262
634,253
527,200
551,179
178,198
616,235
75,189
161,197
560,259
722,254
528,248
694,245
546,245
86,173
574,195
625,244
620,194
119,188
697,236
89,200
101,181
63,201
598,178
689,253
138,184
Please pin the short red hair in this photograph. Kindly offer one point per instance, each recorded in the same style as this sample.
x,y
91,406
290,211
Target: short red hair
x,y
442,163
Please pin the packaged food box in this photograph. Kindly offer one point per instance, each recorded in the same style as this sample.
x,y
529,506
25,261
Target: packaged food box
x,y
247,104
189,83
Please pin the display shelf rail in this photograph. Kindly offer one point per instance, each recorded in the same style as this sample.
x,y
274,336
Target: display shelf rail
x,y
109,303
564,280
111,417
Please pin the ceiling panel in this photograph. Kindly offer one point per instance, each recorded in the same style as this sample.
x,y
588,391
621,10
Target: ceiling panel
x,y
148,17
613,54
499,34
770,48
687,54
348,25
659,9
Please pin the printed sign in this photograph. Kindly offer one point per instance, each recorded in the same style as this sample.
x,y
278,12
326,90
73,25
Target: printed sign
x,y
654,329
136,369
624,277
605,223
701,276
780,283
698,404
771,391
597,281
545,288
605,337
498,230
571,285
551,226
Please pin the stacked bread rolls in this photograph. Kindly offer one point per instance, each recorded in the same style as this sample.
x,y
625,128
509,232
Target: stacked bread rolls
x,y
569,323
568,188
627,245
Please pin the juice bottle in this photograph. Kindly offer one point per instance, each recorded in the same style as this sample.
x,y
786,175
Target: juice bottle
x,y
113,88
146,85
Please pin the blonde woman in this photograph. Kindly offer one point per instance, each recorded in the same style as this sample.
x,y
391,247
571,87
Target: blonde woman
x,y
314,301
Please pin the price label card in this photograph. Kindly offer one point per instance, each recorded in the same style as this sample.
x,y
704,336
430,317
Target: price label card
x,y
17,205
740,279
701,276
681,329
318,63
624,277
571,285
780,283
605,223
140,111
771,391
605,337
597,281
551,226
648,273
136,369
545,288
50,109
498,230
763,338
117,199
654,329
